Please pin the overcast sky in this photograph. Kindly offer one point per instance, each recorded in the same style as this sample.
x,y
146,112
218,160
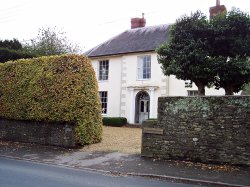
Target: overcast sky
x,y
91,22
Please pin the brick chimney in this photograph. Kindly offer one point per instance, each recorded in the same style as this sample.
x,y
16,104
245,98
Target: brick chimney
x,y
138,22
215,10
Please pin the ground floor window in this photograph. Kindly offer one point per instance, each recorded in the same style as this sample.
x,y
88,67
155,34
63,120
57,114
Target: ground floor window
x,y
192,92
104,100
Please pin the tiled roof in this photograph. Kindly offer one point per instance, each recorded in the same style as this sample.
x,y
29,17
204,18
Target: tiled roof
x,y
131,41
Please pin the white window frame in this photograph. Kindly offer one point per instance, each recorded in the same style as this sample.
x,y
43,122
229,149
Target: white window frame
x,y
106,73
144,64
192,92
104,101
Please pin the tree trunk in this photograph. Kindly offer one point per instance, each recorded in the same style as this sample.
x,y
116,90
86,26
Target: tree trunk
x,y
201,88
229,90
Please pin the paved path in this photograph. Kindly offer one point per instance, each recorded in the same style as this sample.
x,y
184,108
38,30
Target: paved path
x,y
24,174
118,163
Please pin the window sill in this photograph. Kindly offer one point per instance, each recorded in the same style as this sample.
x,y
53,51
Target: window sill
x,y
143,79
100,81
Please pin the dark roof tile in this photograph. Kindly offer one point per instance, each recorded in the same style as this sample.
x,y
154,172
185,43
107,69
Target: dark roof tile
x,y
133,40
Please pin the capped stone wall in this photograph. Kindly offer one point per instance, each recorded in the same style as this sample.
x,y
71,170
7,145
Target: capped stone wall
x,y
205,129
47,133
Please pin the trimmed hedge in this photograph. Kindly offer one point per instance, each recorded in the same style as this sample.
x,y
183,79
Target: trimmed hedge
x,y
9,54
151,121
55,88
114,121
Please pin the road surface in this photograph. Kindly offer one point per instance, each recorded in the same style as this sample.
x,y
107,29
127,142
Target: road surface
x,y
26,174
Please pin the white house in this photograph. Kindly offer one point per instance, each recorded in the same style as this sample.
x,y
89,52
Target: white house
x,y
129,76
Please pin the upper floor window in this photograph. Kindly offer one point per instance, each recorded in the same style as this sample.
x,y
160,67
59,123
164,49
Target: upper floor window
x,y
103,70
144,67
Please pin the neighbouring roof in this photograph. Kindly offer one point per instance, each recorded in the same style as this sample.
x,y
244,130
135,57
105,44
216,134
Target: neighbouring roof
x,y
131,41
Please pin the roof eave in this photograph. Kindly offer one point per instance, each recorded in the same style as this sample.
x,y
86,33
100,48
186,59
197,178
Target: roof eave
x,y
119,54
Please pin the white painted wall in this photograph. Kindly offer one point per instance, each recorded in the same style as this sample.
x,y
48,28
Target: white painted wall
x,y
123,78
156,80
177,88
112,85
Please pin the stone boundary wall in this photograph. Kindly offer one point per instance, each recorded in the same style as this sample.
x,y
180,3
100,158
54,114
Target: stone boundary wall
x,y
47,133
206,129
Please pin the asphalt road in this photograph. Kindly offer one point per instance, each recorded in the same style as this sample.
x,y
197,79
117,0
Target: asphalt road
x,y
26,174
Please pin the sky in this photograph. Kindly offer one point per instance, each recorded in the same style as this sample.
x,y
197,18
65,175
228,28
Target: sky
x,y
91,22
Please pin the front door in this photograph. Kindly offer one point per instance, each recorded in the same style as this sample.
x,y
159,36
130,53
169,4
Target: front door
x,y
144,110
142,106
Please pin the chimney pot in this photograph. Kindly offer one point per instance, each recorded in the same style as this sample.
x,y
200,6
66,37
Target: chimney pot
x,y
217,2
218,9
138,22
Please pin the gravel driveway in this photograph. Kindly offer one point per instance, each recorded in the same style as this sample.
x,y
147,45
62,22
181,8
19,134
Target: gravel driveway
x,y
121,139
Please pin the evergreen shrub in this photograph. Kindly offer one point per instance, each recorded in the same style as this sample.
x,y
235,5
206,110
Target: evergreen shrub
x,y
9,54
114,121
53,88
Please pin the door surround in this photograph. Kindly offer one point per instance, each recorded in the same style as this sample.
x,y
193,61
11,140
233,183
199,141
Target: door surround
x,y
133,106
142,106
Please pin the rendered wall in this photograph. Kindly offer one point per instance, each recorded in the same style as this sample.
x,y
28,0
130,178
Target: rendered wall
x,y
112,85
123,75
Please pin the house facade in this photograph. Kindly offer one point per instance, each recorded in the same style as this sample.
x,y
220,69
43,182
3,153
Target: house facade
x,y
129,77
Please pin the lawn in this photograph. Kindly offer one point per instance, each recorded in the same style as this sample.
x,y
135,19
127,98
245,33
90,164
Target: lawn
x,y
121,139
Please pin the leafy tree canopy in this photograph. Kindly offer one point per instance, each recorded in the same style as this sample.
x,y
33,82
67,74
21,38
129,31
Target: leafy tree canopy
x,y
51,41
231,50
11,44
12,50
209,53
187,54
10,54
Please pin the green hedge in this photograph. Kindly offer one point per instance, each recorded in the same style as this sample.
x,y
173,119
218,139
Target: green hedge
x,y
9,54
246,90
151,121
114,121
55,88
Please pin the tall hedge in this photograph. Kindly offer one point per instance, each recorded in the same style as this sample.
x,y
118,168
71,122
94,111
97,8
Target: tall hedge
x,y
55,88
